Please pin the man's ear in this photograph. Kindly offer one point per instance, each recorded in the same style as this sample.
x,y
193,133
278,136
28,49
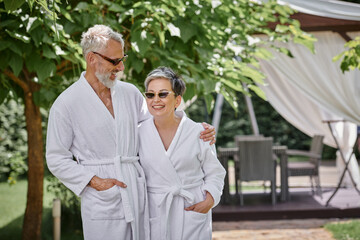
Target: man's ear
x,y
90,58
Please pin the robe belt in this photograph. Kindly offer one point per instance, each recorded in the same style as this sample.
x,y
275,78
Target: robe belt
x,y
169,193
117,161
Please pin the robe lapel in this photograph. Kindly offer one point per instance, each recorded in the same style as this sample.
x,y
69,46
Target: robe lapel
x,y
165,165
176,137
100,107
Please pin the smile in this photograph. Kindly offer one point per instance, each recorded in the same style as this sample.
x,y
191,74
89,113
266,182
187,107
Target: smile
x,y
158,107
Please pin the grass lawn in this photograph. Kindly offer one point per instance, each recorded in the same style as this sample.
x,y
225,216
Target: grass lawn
x,y
345,230
12,209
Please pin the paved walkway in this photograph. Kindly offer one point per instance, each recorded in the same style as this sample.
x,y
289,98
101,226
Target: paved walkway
x,y
307,229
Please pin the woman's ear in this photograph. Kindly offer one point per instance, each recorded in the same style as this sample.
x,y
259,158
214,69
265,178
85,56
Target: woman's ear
x,y
177,101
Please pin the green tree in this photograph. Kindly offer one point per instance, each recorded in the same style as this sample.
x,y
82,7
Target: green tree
x,y
351,56
211,43
37,56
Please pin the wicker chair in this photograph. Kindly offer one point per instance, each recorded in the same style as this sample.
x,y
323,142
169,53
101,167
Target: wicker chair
x,y
310,167
224,155
256,162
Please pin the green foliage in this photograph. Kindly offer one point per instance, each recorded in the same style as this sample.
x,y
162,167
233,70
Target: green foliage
x,y
13,137
12,208
212,45
345,230
270,124
233,123
70,203
36,49
351,57
201,40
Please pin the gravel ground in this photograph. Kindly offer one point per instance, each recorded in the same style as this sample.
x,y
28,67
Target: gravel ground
x,y
306,229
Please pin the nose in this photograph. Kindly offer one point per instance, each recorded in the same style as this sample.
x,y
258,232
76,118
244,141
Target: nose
x,y
156,98
120,66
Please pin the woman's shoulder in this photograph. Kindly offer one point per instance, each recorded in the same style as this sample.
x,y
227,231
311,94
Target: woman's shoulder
x,y
144,125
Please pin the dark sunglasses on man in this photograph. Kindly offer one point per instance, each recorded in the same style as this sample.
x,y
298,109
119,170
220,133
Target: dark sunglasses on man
x,y
151,95
113,61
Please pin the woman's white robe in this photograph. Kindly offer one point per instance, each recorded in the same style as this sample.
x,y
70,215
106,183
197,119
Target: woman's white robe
x,y
81,126
178,178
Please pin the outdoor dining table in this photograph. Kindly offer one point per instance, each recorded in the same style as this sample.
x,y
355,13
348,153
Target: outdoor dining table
x,y
279,152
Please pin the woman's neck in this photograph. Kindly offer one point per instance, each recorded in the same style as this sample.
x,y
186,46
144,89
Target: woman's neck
x,y
164,123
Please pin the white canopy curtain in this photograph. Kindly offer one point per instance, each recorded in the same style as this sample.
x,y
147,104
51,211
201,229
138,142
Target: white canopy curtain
x,y
311,88
326,8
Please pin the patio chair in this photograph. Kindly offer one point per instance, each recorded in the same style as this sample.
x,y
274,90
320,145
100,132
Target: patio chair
x,y
256,162
224,155
310,167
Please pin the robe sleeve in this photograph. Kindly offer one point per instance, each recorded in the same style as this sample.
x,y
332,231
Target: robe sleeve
x,y
59,157
143,113
214,172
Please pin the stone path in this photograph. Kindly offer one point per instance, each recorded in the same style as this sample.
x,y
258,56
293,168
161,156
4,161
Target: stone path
x,y
306,229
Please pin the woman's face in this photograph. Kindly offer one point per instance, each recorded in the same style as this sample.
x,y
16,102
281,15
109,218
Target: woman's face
x,y
162,106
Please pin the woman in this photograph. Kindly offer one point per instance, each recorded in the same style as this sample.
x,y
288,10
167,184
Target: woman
x,y
184,177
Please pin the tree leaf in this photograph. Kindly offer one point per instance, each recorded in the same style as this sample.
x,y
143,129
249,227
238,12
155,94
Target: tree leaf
x,y
16,64
12,5
48,52
209,100
4,59
142,42
37,35
4,45
15,48
3,94
258,91
46,70
33,61
187,29
18,35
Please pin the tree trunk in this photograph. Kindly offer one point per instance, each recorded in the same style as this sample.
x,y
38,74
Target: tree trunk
x,y
34,205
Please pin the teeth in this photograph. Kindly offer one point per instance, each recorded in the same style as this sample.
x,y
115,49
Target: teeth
x,y
158,107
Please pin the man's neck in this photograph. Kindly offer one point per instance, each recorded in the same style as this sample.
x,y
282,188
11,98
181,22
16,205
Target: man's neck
x,y
98,87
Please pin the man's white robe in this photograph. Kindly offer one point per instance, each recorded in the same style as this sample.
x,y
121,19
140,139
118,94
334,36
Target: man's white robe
x,y
81,127
178,178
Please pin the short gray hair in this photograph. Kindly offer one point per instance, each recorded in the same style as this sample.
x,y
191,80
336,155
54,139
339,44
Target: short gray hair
x,y
97,37
177,84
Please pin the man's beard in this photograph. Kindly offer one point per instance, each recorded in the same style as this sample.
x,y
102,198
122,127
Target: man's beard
x,y
104,78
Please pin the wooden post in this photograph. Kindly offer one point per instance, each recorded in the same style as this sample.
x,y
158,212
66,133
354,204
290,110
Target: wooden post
x,y
56,212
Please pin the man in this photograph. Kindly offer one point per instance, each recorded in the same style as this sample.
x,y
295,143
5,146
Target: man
x,y
95,121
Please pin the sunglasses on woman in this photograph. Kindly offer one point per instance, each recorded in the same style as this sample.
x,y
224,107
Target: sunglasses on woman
x,y
163,94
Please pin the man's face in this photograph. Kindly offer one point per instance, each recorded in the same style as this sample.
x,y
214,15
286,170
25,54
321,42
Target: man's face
x,y
105,71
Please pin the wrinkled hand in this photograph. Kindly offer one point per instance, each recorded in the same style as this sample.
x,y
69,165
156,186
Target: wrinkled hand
x,y
208,134
204,206
101,184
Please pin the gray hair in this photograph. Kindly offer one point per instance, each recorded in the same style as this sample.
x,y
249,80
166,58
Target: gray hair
x,y
96,38
177,84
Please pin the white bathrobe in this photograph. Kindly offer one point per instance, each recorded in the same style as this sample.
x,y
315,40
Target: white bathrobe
x,y
178,178
81,127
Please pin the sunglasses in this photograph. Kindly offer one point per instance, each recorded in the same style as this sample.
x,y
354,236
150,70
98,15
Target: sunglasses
x,y
151,95
113,61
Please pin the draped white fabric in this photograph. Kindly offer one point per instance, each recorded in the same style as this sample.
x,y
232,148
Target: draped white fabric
x,y
326,8
311,88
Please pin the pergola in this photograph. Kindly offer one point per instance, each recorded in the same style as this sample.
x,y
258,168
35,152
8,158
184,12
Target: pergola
x,y
314,81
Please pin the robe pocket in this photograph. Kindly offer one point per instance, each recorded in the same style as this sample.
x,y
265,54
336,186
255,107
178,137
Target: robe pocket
x,y
155,228
107,204
196,216
141,192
